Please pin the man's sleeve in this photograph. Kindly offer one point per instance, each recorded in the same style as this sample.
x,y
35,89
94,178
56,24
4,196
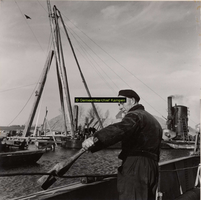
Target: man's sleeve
x,y
115,132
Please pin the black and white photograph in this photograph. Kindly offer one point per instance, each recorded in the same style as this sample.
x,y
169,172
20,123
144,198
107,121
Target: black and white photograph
x,y
100,100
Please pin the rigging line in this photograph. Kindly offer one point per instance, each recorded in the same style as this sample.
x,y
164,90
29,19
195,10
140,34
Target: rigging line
x,y
45,173
105,63
121,79
23,106
29,26
92,57
27,100
88,175
99,58
50,42
117,61
32,84
42,6
102,77
17,88
110,56
54,123
87,56
80,71
61,79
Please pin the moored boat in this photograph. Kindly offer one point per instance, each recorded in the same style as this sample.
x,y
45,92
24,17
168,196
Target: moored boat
x,y
178,144
176,135
178,179
23,157
16,151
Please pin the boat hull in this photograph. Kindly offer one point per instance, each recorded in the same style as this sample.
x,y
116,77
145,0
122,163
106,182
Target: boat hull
x,y
177,178
177,145
17,158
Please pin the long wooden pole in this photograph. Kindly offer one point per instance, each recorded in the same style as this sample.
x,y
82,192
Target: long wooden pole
x,y
82,76
58,63
59,78
66,85
38,93
60,169
42,129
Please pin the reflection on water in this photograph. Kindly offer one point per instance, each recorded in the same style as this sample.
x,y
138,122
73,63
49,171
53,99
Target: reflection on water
x,y
102,162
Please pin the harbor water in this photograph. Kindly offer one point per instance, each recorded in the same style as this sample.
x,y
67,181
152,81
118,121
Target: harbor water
x,y
102,162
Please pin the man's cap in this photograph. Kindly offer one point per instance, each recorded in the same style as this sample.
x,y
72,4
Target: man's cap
x,y
130,94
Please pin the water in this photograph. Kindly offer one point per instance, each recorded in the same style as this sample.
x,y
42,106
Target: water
x,y
102,162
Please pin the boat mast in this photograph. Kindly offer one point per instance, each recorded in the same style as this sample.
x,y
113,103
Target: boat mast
x,y
38,93
82,76
44,121
61,71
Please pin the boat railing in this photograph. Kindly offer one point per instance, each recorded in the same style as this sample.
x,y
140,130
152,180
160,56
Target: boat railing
x,y
182,174
197,180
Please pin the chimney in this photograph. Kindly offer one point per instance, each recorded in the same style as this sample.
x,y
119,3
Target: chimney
x,y
169,117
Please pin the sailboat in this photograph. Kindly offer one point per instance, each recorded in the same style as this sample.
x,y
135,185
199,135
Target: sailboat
x,y
69,114
13,153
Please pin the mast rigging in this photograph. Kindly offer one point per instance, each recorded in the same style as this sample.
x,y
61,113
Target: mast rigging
x,y
78,65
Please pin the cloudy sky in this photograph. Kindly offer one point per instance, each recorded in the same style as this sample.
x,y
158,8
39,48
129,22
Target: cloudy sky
x,y
151,47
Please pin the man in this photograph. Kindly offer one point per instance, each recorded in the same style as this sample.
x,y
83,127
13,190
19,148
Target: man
x,y
140,134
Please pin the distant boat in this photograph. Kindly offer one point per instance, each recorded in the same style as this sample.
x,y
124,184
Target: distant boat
x,y
15,151
178,144
23,157
176,135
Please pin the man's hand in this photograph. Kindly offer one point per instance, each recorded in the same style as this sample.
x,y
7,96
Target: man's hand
x,y
89,142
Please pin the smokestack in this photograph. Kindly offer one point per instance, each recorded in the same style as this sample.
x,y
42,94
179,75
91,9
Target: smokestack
x,y
169,106
169,117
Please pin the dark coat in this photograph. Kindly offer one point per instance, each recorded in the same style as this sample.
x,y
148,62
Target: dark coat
x,y
138,131
140,134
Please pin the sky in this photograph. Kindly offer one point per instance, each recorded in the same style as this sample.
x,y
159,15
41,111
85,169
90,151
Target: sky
x,y
151,47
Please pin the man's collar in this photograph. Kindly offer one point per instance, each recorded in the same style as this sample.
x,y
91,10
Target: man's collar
x,y
136,107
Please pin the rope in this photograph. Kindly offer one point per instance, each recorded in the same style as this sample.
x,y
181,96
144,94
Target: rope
x,y
86,175
1,91
44,173
119,65
181,169
23,106
28,25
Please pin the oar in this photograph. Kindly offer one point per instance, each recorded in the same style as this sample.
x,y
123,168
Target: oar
x,y
60,169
